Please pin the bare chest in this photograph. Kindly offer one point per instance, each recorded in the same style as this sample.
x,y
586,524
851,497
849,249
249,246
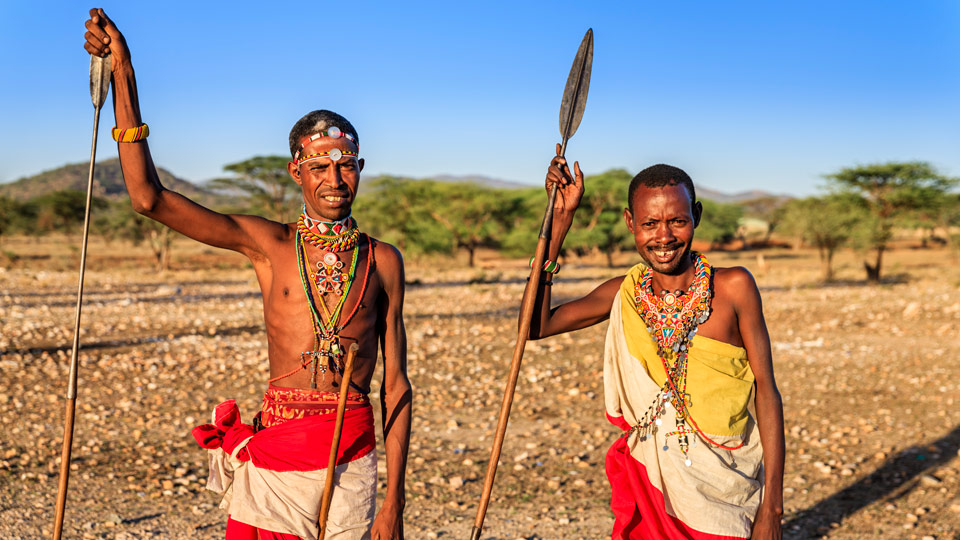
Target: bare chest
x,y
321,293
722,325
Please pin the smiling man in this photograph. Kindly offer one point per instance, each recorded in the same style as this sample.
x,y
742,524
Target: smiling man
x,y
688,374
325,287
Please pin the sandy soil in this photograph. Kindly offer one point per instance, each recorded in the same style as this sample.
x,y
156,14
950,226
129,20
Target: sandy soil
x,y
868,375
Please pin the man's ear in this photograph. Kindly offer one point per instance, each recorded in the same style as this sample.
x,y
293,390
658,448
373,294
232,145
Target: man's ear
x,y
697,213
361,162
628,219
294,171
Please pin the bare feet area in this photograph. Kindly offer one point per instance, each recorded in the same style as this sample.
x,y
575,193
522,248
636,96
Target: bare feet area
x,y
869,376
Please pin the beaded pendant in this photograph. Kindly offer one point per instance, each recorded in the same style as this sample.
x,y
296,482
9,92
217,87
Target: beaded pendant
x,y
330,276
672,321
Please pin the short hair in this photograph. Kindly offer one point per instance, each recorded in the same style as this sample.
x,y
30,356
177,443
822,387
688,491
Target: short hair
x,y
658,176
316,121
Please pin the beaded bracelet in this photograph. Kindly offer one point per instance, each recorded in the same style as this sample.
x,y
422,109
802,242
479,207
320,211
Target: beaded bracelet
x,y
138,133
548,266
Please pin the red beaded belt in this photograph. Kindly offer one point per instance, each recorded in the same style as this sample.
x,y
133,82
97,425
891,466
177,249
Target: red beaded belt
x,y
282,404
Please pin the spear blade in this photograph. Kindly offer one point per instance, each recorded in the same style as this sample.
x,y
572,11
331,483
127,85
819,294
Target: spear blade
x,y
100,69
575,92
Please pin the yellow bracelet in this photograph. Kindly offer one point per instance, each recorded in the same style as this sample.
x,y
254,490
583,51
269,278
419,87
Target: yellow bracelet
x,y
131,134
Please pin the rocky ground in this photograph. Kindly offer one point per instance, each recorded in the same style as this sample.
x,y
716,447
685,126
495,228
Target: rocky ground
x,y
869,376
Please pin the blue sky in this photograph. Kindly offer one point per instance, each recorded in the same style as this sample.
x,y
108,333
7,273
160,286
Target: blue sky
x,y
743,95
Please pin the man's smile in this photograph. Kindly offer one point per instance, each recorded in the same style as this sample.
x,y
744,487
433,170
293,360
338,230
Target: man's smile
x,y
665,253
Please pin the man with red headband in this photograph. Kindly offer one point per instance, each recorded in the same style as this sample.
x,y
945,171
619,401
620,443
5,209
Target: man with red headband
x,y
687,372
325,287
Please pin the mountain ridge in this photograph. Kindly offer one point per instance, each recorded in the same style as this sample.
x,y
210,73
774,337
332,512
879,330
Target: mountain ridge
x,y
108,184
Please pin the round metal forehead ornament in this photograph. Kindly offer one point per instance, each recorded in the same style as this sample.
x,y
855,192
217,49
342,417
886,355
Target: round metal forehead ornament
x,y
335,154
334,132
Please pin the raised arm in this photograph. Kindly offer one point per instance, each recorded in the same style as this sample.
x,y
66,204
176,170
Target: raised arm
x,y
147,195
592,308
756,340
396,394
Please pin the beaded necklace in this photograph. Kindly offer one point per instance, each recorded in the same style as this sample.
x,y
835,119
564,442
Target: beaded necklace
x,y
672,320
326,334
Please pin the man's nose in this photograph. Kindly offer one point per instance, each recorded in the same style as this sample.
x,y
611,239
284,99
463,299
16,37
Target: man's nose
x,y
665,233
334,178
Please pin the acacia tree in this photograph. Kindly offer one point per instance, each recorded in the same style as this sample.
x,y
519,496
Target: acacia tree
x,y
891,190
265,181
598,223
9,211
123,222
397,211
719,222
827,223
769,209
475,216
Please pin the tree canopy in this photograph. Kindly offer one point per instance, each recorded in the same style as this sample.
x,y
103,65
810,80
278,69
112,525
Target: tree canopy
x,y
264,179
891,191
827,223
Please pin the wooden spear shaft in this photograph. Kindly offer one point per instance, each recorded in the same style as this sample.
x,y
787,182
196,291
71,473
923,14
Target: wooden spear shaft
x,y
526,316
99,85
571,111
335,443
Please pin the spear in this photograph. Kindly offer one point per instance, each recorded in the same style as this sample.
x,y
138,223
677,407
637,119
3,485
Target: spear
x,y
571,112
99,86
335,443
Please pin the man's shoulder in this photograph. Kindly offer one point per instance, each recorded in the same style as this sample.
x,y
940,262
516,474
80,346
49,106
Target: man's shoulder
x,y
388,260
733,279
386,251
264,226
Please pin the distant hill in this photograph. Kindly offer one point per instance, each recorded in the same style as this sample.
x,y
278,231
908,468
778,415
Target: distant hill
x,y
107,184
481,180
702,192
743,196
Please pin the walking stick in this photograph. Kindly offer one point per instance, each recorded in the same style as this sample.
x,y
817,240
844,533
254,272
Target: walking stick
x,y
335,443
99,86
571,112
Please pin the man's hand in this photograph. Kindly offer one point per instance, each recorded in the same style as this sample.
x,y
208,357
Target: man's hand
x,y
103,38
767,525
569,188
388,525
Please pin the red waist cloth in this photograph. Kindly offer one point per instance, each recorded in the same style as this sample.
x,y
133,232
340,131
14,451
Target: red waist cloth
x,y
638,507
301,444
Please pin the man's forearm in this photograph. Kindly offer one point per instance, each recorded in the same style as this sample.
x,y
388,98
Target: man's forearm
x,y
126,102
139,173
396,433
541,307
561,226
770,423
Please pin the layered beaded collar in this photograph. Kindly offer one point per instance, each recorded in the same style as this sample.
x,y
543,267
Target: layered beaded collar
x,y
337,236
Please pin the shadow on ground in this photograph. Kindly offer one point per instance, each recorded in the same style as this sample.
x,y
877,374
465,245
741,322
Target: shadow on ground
x,y
894,479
